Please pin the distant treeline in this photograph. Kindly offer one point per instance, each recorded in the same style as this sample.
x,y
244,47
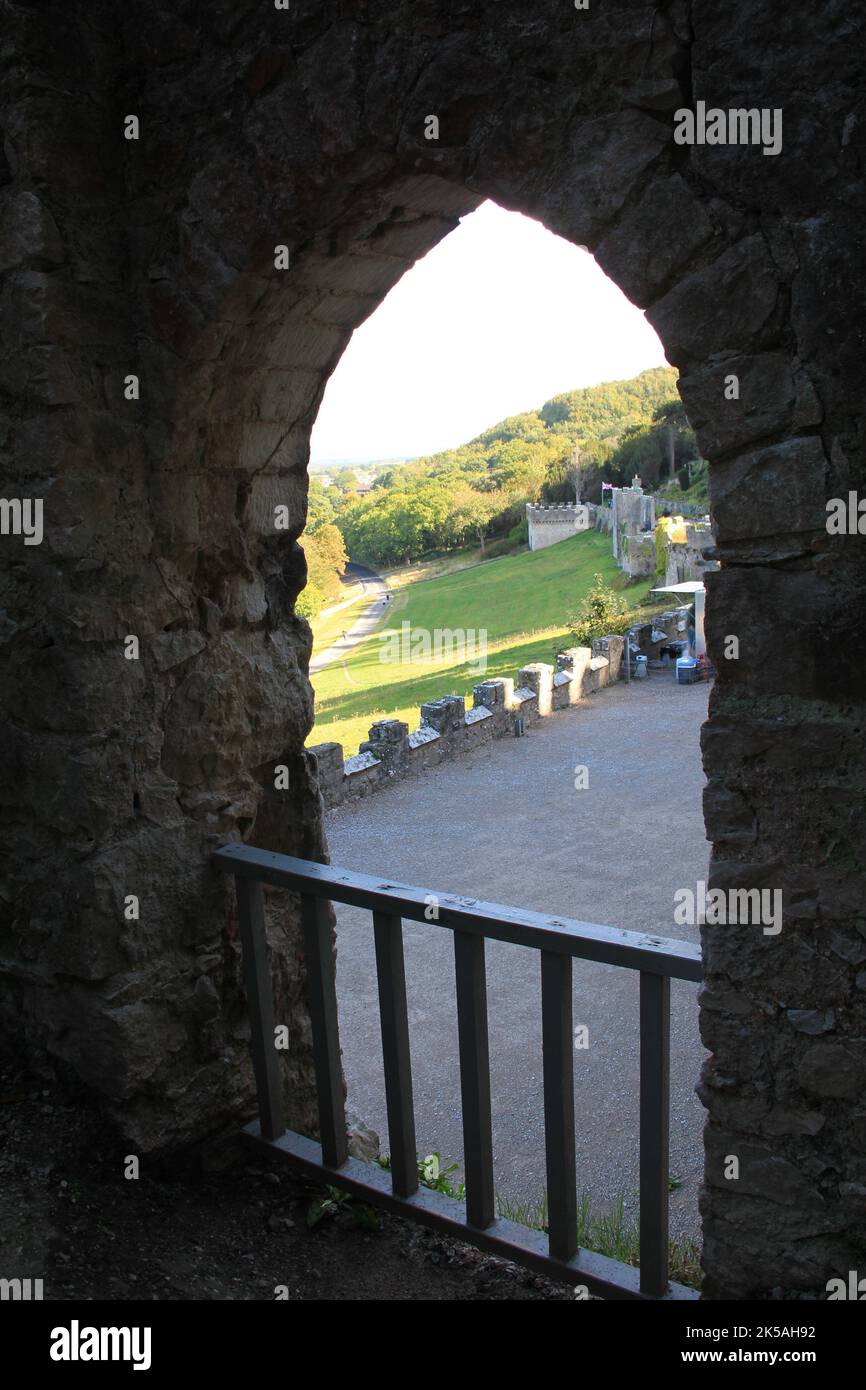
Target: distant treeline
x,y
478,492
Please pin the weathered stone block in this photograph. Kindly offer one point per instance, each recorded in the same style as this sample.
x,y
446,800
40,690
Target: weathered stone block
x,y
776,397
774,491
538,677
28,232
654,238
720,307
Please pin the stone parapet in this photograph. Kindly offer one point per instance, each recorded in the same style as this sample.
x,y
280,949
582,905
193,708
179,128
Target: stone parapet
x,y
447,729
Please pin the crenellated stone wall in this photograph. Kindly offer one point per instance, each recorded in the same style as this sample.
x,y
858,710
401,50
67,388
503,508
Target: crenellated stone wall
x,y
448,730
547,525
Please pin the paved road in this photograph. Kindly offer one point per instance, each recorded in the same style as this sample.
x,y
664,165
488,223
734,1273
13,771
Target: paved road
x,y
507,824
378,592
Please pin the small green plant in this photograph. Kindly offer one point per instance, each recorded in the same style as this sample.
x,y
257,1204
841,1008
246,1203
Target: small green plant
x,y
608,1233
431,1174
333,1201
602,611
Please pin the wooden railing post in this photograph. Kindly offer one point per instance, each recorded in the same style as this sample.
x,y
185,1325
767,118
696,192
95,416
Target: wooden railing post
x,y
260,1000
474,1077
322,994
558,1062
388,932
655,1014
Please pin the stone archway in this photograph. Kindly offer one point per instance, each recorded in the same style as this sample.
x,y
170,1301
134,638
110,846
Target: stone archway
x,y
261,128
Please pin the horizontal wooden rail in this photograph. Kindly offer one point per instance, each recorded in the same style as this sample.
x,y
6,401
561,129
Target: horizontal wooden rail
x,y
679,960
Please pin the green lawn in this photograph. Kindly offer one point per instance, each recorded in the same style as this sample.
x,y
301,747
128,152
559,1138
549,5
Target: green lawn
x,y
326,630
523,601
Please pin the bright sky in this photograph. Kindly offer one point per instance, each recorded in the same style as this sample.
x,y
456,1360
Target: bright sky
x,y
496,319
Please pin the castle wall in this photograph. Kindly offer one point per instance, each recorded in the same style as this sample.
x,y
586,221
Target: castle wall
x,y
547,525
448,730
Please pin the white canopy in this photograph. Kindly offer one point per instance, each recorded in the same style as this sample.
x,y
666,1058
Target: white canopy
x,y
691,586
695,587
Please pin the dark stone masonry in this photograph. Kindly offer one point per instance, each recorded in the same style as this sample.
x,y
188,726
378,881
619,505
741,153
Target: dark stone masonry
x,y
154,258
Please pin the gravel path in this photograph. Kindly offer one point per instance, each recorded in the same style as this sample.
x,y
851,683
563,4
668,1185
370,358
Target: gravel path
x,y
507,824
378,593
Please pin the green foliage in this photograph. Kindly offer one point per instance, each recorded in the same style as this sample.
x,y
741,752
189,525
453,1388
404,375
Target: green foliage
x,y
602,611
310,602
397,525
684,479
602,412
661,549
326,562
322,505
519,534
478,492
497,549
697,490
431,1174
672,413
334,1201
608,1233
522,601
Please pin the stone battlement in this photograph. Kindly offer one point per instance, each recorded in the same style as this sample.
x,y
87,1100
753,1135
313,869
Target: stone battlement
x,y
547,525
448,729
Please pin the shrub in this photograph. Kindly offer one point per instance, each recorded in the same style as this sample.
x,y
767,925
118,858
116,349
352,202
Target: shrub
x,y
310,601
602,611
661,548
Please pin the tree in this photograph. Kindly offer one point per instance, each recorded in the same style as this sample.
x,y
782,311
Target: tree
x,y
602,611
672,418
575,471
310,602
346,480
326,559
474,512
480,489
320,506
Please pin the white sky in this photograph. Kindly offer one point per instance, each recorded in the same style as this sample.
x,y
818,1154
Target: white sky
x,y
496,319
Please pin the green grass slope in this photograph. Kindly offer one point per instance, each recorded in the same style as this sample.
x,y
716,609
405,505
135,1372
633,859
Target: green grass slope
x,y
523,601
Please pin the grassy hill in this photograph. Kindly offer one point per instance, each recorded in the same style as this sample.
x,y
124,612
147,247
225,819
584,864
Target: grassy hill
x,y
479,490
523,601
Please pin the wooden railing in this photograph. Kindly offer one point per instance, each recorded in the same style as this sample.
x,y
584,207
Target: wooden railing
x,y
558,941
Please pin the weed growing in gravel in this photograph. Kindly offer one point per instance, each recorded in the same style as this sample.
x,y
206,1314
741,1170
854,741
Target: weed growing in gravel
x,y
606,1233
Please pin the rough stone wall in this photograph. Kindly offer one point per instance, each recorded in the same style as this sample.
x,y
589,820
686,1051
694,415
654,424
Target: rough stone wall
x,y
691,558
305,128
632,519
